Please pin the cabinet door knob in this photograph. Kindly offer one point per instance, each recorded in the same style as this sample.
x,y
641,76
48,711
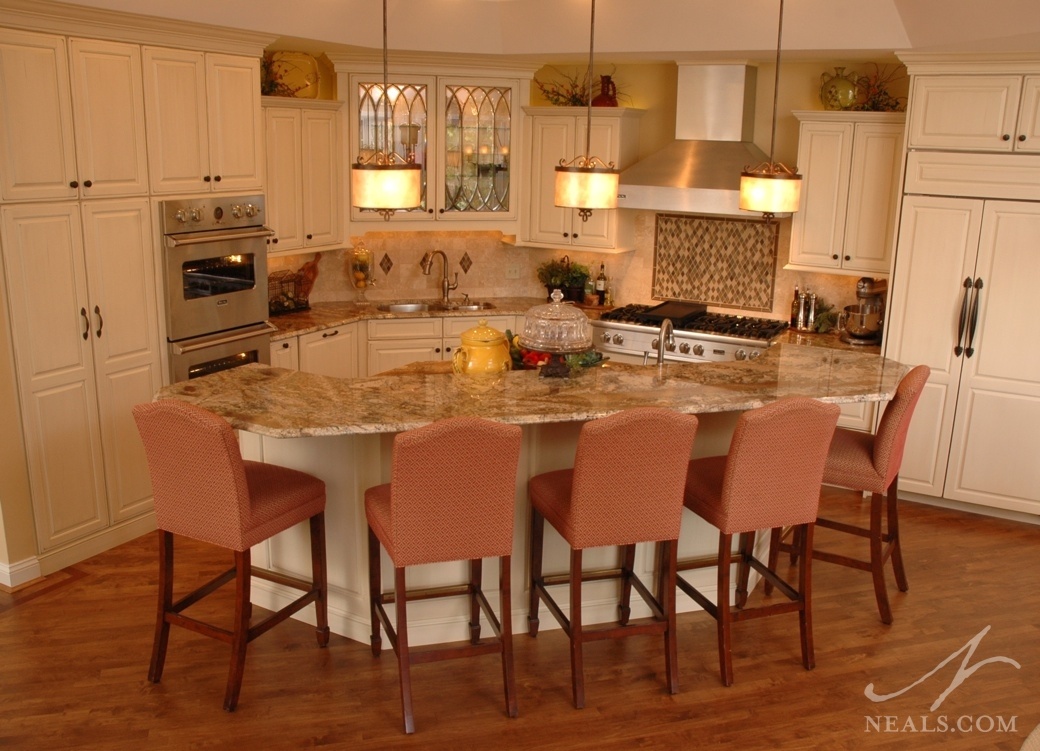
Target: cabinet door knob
x,y
1005,137
310,237
1021,136
285,345
74,184
87,183
206,179
274,240
566,234
848,258
437,349
835,256
429,211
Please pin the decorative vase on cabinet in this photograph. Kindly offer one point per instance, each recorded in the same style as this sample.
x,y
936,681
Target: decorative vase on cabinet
x,y
839,91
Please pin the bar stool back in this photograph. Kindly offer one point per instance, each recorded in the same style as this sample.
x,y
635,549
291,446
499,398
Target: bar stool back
x,y
625,488
451,497
762,483
204,490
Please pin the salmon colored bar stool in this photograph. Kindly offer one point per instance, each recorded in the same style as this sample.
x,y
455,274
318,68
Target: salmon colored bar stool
x,y
204,490
626,487
762,484
870,464
435,509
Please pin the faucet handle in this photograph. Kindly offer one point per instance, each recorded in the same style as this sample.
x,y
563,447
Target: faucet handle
x,y
455,284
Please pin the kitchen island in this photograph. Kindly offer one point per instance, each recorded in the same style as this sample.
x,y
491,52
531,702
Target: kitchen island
x,y
342,431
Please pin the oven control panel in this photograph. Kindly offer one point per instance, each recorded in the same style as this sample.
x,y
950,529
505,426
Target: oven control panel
x,y
211,213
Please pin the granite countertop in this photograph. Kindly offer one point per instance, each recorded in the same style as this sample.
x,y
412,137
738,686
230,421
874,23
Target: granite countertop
x,y
323,315
284,403
830,340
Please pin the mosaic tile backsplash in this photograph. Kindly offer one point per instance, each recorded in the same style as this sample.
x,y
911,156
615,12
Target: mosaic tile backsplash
x,y
727,263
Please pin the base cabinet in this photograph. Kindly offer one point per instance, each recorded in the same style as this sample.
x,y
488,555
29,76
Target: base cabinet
x,y
285,353
396,343
966,271
330,352
86,350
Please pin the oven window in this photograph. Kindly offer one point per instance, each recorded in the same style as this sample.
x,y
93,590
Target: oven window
x,y
223,363
218,276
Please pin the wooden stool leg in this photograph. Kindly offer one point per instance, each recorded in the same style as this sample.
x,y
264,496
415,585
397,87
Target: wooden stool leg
x,y
475,569
805,596
404,659
893,536
240,629
669,558
877,559
628,560
747,549
776,536
724,619
165,604
319,578
506,618
577,656
537,534
375,589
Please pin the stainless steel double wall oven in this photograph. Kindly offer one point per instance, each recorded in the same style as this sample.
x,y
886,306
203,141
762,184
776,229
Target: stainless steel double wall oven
x,y
215,273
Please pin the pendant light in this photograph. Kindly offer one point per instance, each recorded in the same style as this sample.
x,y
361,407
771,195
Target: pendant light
x,y
771,187
384,181
587,183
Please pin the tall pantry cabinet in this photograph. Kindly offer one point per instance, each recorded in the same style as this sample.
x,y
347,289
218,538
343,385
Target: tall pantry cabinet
x,y
966,272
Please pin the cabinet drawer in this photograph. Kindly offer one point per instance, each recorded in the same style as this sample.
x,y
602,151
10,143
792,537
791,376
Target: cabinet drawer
x,y
410,328
1010,176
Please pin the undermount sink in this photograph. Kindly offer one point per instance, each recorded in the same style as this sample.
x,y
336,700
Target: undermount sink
x,y
407,307
470,306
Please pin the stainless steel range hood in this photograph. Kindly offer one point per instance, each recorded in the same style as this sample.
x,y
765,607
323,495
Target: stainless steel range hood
x,y
699,173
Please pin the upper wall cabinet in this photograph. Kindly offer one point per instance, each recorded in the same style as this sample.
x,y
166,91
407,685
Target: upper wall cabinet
x,y
975,113
205,129
557,133
304,173
850,165
70,131
462,131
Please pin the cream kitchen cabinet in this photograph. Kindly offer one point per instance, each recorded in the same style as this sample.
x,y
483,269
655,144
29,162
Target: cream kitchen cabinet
x,y
204,125
86,340
463,130
555,133
285,353
304,173
976,112
330,352
394,343
967,271
71,118
850,164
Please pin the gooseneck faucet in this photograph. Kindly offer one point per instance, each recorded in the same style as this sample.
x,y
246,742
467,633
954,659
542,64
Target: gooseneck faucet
x,y
427,266
665,340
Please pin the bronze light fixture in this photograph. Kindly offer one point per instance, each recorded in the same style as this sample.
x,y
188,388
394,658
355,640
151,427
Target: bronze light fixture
x,y
587,183
771,187
384,181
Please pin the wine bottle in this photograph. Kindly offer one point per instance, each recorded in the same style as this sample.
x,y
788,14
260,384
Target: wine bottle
x,y
794,309
601,285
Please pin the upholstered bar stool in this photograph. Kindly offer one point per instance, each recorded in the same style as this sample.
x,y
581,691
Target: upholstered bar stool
x,y
626,487
761,484
870,464
204,490
451,497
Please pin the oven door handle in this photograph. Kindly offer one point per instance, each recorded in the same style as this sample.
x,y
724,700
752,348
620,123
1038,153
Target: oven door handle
x,y
183,349
176,241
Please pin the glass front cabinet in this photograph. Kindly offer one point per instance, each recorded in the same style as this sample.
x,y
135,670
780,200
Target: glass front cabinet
x,y
463,132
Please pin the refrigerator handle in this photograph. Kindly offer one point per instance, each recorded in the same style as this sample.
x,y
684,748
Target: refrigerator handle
x,y
969,350
959,350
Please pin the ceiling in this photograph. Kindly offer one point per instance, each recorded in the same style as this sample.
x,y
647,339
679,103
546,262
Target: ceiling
x,y
648,30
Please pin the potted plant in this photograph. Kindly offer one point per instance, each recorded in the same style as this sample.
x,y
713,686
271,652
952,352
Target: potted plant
x,y
554,274
574,286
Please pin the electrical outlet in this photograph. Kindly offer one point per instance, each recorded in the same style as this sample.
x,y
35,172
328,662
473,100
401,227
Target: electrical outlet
x,y
513,271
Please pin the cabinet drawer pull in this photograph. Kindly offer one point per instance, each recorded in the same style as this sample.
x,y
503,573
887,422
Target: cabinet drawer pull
x,y
100,321
327,334
86,323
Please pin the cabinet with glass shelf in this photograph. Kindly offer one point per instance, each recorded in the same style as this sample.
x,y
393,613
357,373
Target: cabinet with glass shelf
x,y
462,131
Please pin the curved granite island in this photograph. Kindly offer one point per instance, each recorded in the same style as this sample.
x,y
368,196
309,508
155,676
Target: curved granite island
x,y
342,431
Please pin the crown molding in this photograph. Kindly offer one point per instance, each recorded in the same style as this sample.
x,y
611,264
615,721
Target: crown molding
x,y
80,21
434,64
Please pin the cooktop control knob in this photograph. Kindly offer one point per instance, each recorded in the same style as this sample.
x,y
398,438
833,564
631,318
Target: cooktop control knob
x,y
181,216
619,339
236,211
754,354
251,210
196,215
740,354
606,338
685,348
698,349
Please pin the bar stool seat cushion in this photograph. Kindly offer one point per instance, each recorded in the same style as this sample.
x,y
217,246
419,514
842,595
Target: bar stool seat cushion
x,y
851,463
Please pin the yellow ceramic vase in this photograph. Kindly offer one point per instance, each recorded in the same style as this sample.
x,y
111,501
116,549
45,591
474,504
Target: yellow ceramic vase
x,y
484,352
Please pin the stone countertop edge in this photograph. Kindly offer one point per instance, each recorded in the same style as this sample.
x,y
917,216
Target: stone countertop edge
x,y
326,315
284,403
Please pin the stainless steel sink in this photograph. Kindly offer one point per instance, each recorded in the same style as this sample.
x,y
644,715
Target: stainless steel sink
x,y
407,307
465,306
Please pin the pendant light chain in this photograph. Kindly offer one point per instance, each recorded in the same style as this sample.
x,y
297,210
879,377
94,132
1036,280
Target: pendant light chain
x,y
776,83
588,84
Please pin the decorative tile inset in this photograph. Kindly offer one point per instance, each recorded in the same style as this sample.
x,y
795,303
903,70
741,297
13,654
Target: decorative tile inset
x,y
465,263
386,264
729,263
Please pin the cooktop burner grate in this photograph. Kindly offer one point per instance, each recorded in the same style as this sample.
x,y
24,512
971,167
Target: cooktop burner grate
x,y
745,327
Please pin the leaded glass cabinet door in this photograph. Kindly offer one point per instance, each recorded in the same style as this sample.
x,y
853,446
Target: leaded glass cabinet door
x,y
476,180
399,123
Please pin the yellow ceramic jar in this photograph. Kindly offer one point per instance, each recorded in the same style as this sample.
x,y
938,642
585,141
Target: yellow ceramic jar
x,y
484,352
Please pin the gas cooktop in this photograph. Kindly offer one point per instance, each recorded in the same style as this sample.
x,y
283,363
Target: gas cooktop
x,y
692,317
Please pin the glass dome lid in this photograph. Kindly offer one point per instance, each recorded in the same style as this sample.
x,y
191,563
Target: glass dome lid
x,y
556,327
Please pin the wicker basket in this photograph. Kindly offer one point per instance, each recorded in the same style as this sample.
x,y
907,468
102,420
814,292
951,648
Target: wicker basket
x,y
285,293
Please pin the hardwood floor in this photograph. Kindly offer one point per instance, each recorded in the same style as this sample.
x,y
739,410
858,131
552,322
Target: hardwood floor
x,y
74,654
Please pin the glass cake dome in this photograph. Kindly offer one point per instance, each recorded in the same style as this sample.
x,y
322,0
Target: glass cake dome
x,y
556,327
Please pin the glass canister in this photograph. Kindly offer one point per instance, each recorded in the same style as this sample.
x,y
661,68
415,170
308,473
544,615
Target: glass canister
x,y
484,352
361,273
556,328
